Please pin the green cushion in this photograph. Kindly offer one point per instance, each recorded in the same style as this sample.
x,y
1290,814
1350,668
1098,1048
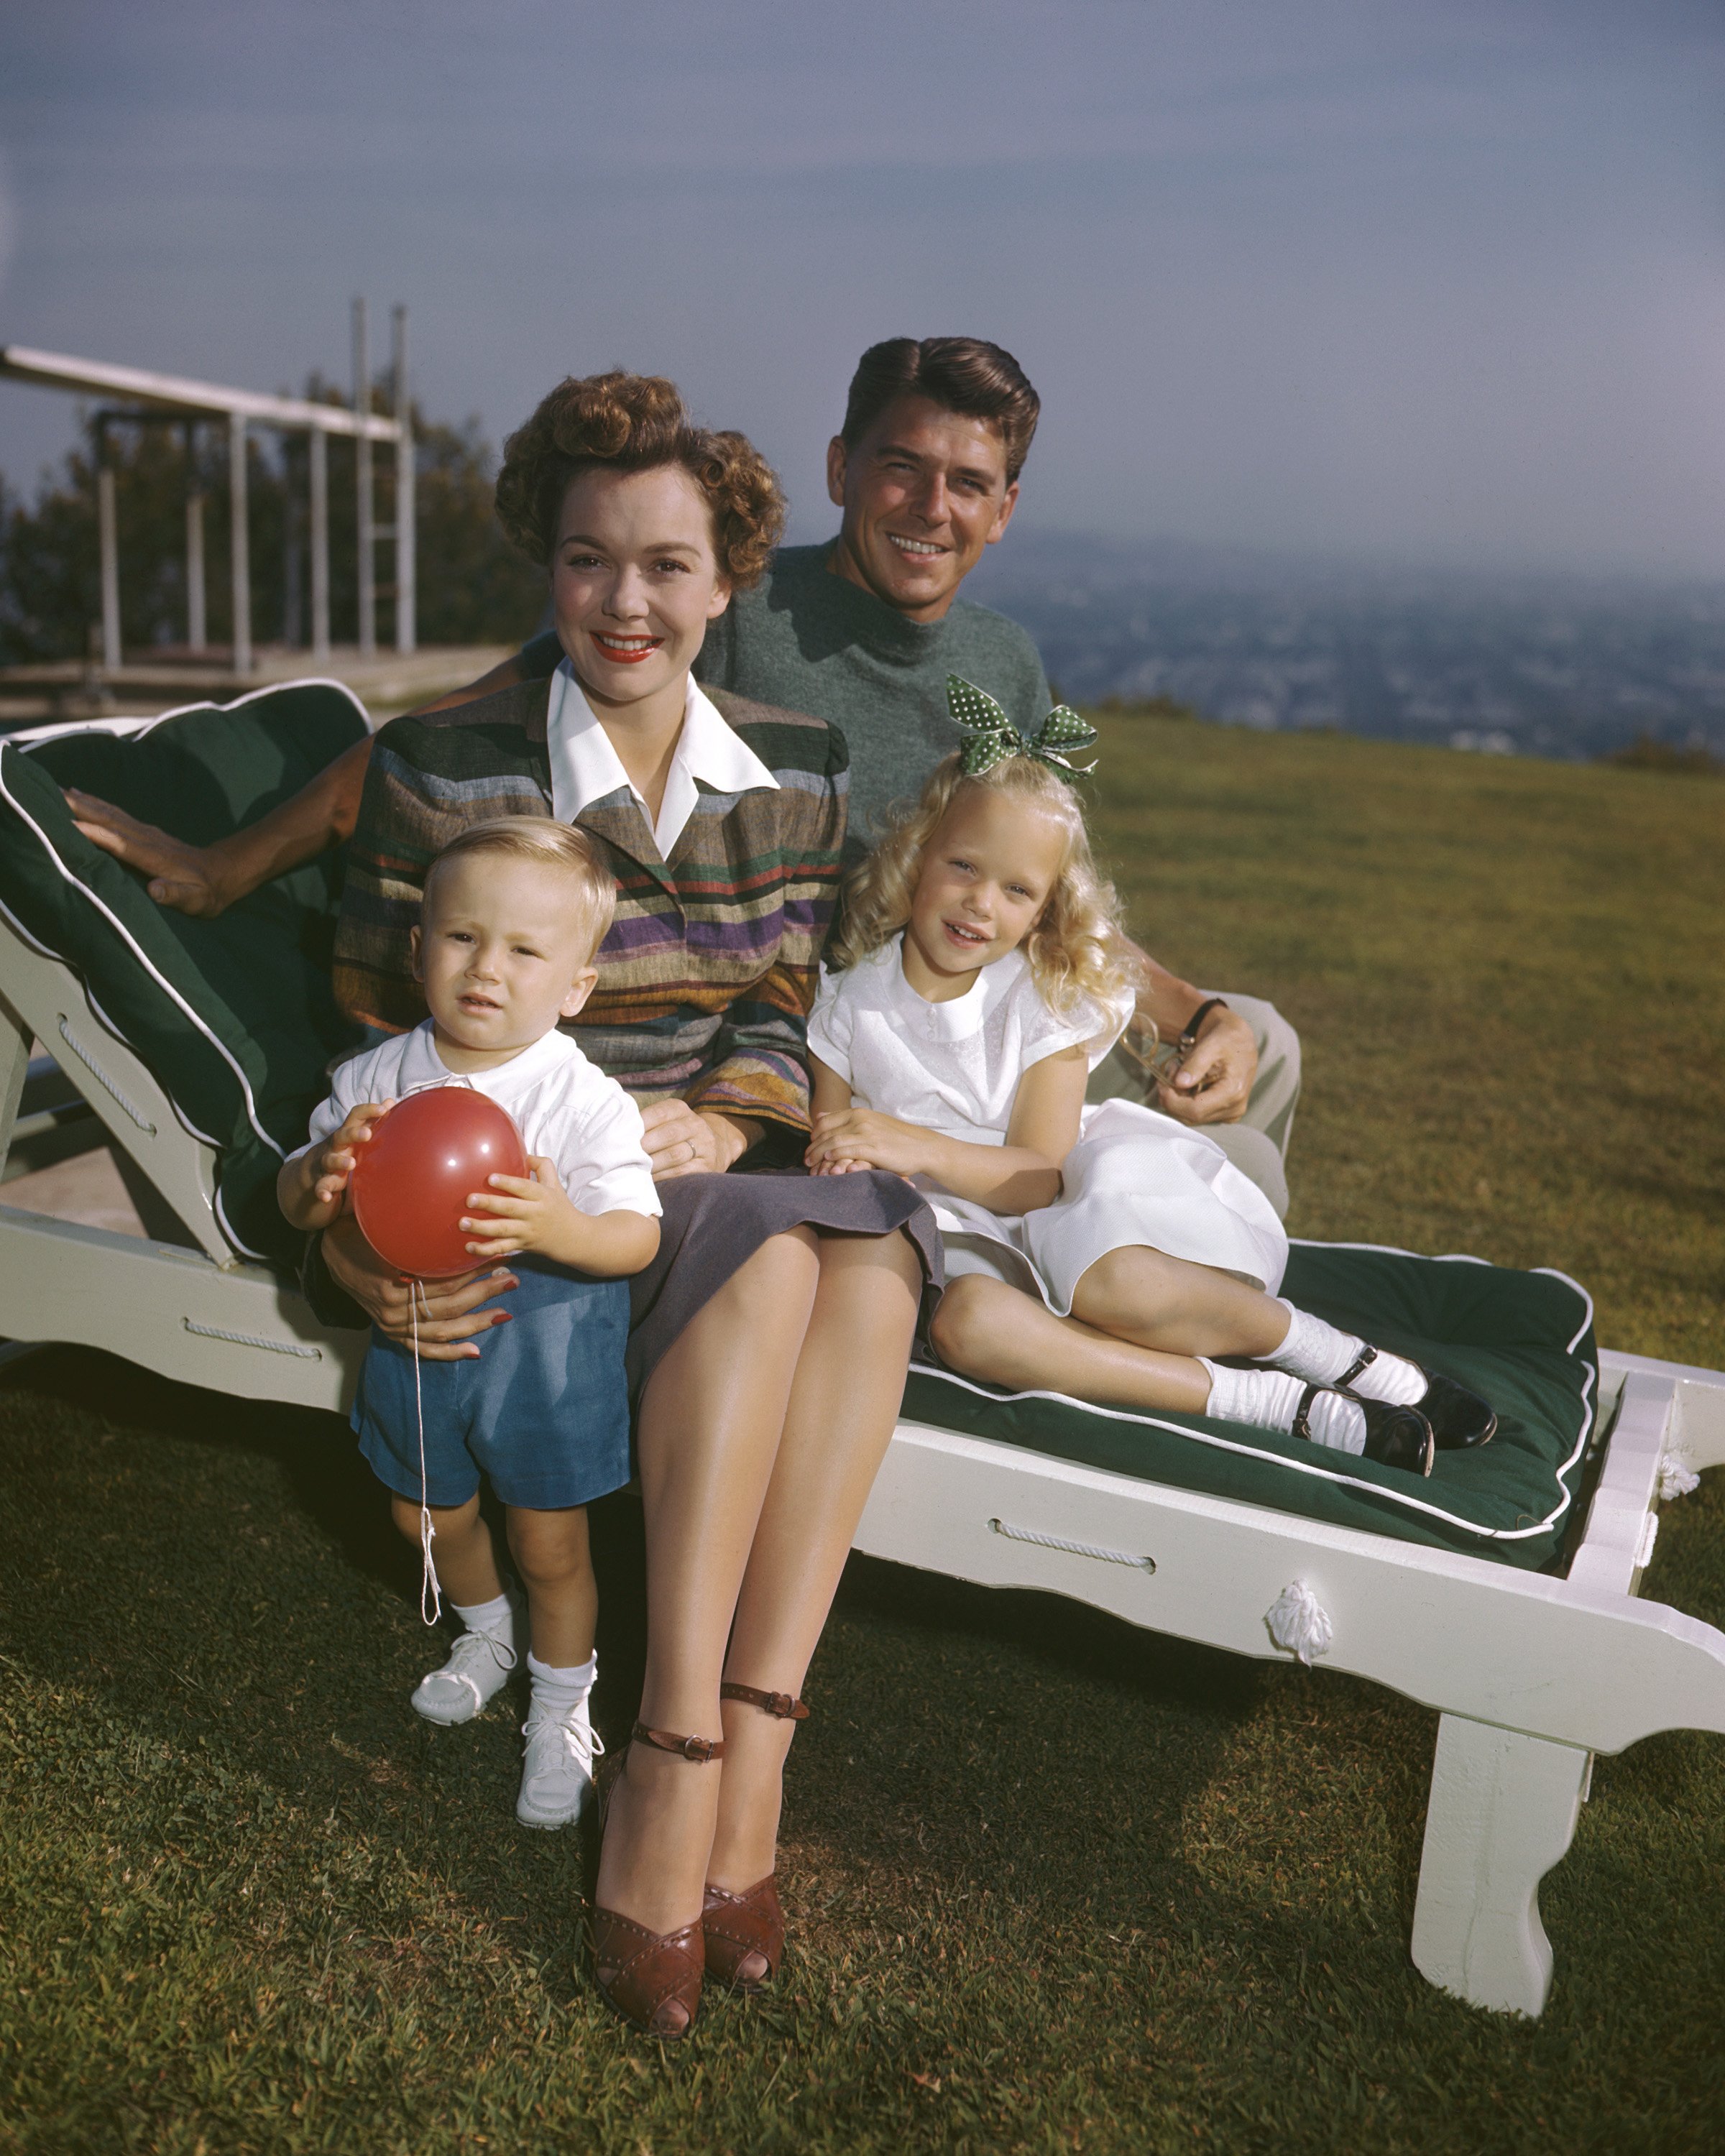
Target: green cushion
x,y
1524,1341
234,1017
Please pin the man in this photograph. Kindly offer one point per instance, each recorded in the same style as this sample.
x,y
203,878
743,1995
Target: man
x,y
864,631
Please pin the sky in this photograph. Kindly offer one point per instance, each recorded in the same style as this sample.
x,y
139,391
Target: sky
x,y
1438,282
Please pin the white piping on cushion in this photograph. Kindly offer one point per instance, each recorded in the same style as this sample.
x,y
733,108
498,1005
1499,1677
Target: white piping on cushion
x,y
251,695
1311,1467
137,951
226,1228
119,729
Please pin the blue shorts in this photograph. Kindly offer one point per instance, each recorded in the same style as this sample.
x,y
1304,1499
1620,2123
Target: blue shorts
x,y
543,1412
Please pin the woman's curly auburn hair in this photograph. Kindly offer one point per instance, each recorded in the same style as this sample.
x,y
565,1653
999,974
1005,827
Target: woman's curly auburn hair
x,y
1077,951
635,422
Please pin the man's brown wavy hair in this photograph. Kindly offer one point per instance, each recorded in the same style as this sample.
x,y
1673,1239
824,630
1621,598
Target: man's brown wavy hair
x,y
966,375
635,423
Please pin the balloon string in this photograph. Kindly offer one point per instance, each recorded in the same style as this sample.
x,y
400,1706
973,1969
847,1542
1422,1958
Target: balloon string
x,y
428,1588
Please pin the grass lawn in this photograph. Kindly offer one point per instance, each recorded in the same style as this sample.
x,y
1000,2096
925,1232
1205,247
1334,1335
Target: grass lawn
x,y
1055,1884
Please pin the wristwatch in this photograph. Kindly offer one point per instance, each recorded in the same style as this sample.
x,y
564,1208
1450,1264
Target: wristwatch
x,y
1189,1031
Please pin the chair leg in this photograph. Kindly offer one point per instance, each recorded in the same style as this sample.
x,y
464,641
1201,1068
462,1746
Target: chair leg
x,y
1502,1812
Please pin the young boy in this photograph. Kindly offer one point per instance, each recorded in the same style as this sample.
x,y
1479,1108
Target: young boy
x,y
512,912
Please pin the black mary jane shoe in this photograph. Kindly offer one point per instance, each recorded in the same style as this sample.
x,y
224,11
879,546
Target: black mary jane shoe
x,y
1459,1419
1395,1436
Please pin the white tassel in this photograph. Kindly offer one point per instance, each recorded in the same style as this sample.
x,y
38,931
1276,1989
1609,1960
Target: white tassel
x,y
1675,1479
1299,1622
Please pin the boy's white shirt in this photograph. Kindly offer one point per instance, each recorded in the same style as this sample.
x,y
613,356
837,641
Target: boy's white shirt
x,y
953,1067
566,1110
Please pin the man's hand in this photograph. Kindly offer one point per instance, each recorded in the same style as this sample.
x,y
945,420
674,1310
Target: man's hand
x,y
1213,1082
189,879
452,1312
531,1213
845,1139
684,1141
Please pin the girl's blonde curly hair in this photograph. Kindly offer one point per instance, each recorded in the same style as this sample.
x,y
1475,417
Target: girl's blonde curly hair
x,y
1077,951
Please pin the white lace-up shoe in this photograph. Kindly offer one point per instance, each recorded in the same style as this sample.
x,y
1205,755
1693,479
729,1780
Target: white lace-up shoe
x,y
557,1773
476,1671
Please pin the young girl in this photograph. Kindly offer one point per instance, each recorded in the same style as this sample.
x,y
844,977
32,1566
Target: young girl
x,y
1109,1253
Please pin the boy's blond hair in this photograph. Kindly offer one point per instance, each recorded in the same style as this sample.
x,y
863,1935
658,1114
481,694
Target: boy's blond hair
x,y
1077,949
543,839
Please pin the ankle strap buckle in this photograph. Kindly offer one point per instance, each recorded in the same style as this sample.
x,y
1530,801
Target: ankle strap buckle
x,y
700,1749
782,1706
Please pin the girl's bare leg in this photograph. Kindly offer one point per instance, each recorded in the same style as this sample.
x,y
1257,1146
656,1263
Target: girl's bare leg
x,y
844,1404
709,1431
1139,1320
461,1549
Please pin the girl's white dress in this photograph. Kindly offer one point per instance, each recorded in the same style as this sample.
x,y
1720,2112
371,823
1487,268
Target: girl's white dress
x,y
1134,1176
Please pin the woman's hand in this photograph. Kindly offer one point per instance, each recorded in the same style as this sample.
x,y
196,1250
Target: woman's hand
x,y
846,1139
1213,1082
189,879
452,1312
685,1141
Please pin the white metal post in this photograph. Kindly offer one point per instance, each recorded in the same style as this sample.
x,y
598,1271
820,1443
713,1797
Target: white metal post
x,y
365,533
239,549
108,527
320,545
197,615
406,623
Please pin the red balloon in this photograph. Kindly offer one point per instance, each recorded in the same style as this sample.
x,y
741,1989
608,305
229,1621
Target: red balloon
x,y
412,1182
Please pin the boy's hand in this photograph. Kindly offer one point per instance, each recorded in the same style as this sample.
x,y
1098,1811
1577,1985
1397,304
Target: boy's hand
x,y
531,1213
333,1164
846,1139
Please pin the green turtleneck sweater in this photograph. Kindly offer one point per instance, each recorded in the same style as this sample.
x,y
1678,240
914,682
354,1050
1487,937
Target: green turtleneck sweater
x,y
810,641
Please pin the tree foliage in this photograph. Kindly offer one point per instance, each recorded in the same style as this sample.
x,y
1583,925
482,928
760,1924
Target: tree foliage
x,y
473,587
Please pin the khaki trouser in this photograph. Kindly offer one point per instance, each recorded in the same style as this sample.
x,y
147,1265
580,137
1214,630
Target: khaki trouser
x,y
1258,1143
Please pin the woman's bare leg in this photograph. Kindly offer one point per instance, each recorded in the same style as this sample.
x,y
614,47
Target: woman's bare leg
x,y
1139,1320
710,1428
843,1406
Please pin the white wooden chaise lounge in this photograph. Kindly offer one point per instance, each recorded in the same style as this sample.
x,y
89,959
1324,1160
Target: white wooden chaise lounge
x,y
1532,1671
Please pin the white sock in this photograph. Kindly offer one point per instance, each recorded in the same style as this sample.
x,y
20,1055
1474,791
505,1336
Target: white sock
x,y
1269,1399
1319,1353
559,1692
495,1617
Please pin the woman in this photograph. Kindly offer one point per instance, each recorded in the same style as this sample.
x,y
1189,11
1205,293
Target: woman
x,y
772,1334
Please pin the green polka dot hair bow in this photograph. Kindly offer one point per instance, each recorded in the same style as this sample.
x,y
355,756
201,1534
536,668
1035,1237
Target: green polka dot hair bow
x,y
989,735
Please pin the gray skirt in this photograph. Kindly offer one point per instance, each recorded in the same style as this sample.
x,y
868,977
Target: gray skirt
x,y
714,1225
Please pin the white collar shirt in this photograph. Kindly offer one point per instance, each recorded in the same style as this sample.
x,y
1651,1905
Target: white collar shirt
x,y
585,768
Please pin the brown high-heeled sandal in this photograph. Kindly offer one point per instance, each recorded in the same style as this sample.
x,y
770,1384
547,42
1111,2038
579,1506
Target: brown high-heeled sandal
x,y
651,1978
747,1929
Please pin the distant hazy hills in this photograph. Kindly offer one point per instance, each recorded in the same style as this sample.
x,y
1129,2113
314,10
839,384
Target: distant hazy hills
x,y
1545,666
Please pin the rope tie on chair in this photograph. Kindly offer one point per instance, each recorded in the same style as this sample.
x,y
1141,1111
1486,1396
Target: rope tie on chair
x,y
1299,1622
1074,1549
252,1340
104,1081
